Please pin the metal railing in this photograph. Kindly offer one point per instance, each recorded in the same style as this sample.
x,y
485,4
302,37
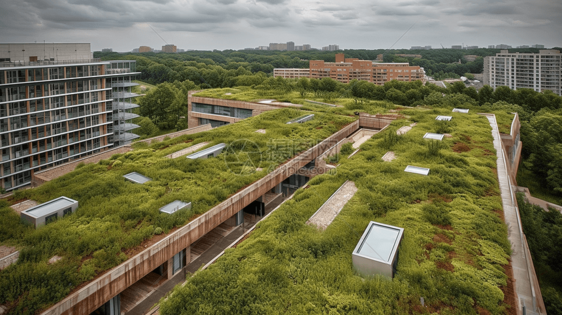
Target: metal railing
x,y
46,62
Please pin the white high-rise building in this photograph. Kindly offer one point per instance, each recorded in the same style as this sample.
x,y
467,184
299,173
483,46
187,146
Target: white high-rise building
x,y
538,71
58,104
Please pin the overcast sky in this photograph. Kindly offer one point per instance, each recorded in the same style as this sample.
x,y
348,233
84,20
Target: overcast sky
x,y
237,24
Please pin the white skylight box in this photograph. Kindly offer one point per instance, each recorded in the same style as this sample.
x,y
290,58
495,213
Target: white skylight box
x,y
377,250
137,178
208,152
49,211
460,110
174,206
301,120
445,118
434,136
417,170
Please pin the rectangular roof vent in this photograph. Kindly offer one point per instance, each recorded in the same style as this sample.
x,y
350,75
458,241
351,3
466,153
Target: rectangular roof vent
x,y
460,110
446,118
49,211
434,136
377,250
137,178
301,120
174,206
417,170
208,152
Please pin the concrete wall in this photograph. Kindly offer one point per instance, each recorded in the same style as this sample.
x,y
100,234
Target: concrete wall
x,y
8,260
41,177
513,146
97,292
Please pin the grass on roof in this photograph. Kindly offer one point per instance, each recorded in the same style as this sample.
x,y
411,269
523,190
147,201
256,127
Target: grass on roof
x,y
115,216
453,254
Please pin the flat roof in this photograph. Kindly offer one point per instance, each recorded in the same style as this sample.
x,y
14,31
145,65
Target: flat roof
x,y
446,118
174,206
207,151
50,207
137,178
434,136
417,170
379,242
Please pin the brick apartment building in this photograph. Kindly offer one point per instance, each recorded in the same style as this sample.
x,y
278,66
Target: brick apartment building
x,y
347,69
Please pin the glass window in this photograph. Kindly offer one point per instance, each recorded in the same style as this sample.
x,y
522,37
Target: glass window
x,y
51,218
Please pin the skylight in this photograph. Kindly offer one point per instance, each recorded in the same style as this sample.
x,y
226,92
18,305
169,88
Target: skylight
x,y
434,136
460,110
137,178
417,170
208,152
446,118
301,120
377,250
174,206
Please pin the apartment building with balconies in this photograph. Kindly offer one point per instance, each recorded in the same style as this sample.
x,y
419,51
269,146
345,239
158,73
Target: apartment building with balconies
x,y
57,104
537,71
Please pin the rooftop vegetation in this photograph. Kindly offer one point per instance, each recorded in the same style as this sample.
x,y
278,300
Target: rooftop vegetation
x,y
116,216
453,254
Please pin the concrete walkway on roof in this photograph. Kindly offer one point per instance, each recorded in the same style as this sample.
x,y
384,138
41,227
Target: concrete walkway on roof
x,y
519,263
187,150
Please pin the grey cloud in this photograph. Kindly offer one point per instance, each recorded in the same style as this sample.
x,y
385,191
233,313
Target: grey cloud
x,y
275,2
345,15
248,23
332,8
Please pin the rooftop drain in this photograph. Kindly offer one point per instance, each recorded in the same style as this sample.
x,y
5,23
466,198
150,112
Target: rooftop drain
x,y
187,150
137,178
49,211
460,110
207,153
333,206
444,118
301,120
417,170
434,136
175,206
377,250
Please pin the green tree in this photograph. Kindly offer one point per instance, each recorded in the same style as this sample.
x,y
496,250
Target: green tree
x,y
396,96
485,95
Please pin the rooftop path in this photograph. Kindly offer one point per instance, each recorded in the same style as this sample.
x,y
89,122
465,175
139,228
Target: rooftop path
x,y
523,270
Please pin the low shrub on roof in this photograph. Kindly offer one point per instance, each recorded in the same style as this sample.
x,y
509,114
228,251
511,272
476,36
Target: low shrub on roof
x,y
453,253
115,215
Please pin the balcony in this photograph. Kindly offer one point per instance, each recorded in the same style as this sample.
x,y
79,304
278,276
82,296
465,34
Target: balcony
x,y
126,116
117,71
125,127
124,84
124,105
125,137
124,95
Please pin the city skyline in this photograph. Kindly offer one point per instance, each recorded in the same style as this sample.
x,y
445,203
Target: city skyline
x,y
237,24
